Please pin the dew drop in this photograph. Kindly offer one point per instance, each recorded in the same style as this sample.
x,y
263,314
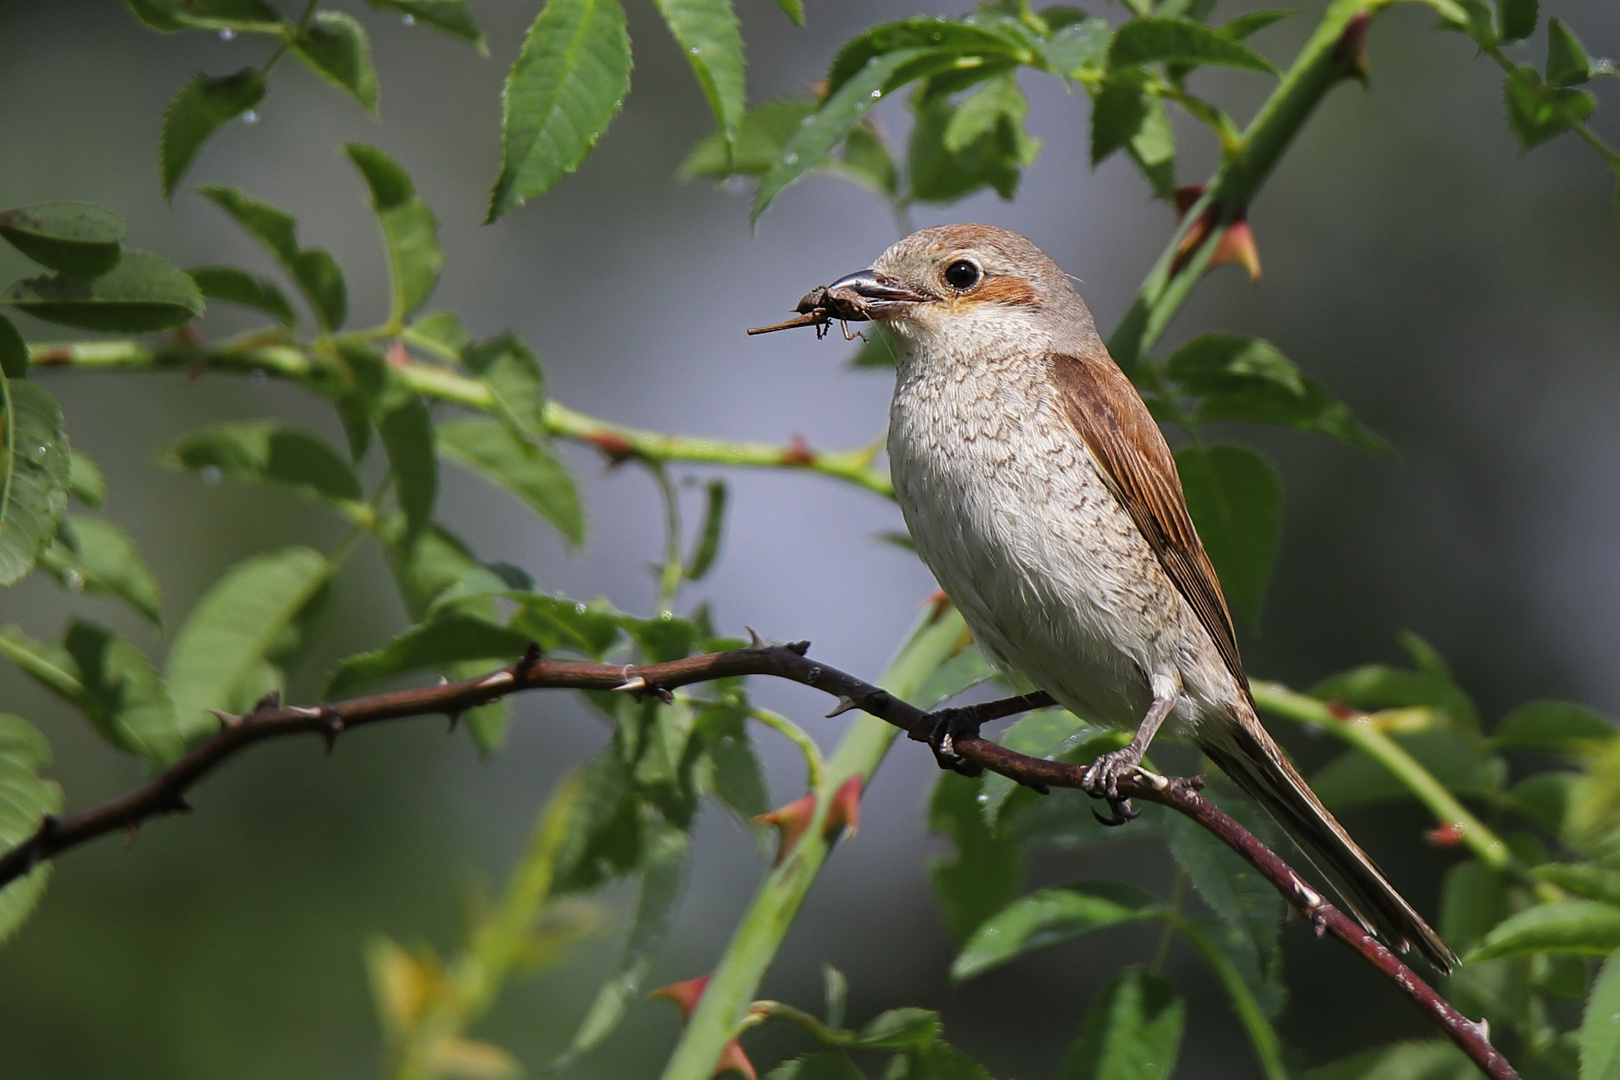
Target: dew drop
x,y
790,159
983,799
695,50
579,609
74,581
227,34
42,452
407,20
250,117
666,616
211,475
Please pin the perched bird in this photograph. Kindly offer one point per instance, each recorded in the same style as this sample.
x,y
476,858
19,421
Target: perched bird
x,y
1042,495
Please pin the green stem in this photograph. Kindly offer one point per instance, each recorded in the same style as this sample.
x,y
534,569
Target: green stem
x,y
1577,125
1363,735
1261,1034
669,574
724,1005
285,361
815,766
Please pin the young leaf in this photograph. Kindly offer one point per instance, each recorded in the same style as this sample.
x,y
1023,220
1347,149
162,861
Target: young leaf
x,y
707,33
1558,726
947,37
1517,18
25,799
314,271
336,48
409,229
1235,500
141,294
1567,63
1049,916
232,627
202,107
985,872
1117,114
1586,927
240,287
171,15
453,636
1251,22
1079,47
899,1029
1231,887
454,17
1228,363
810,146
271,452
836,994
1537,112
407,434
1153,149
714,523
1600,1027
1180,41
34,464
566,85
69,237
96,556
526,470
85,481
1132,1030
513,375
1436,1060
760,137
439,332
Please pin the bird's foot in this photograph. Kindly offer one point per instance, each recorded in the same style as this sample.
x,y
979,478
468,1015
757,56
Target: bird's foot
x,y
1101,781
948,726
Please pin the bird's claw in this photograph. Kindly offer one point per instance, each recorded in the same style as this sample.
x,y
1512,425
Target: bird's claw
x,y
948,726
1101,781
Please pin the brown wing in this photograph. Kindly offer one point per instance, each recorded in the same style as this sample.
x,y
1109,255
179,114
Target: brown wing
x,y
1139,469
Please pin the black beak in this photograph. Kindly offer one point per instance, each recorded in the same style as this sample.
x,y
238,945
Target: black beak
x,y
865,294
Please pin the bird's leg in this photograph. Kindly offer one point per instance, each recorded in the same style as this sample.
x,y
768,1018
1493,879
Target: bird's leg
x,y
1101,779
946,726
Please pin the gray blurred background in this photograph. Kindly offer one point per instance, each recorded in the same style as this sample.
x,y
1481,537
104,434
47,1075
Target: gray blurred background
x,y
1461,297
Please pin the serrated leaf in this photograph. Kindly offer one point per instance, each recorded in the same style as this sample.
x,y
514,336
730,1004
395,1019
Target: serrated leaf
x,y
1600,1025
69,237
1180,41
898,1029
826,1065
85,481
171,15
934,1061
34,467
526,470
1567,62
1537,112
980,112
203,106
1251,22
513,375
1583,927
763,133
25,799
1132,1030
1227,363
426,564
1473,899
334,45
1315,410
439,332
451,636
1591,880
1232,888
1436,1060
1559,726
96,556
233,626
314,271
1379,686
814,141
408,436
240,287
1077,47
709,536
606,834
1117,114
141,294
560,624
738,781
454,17
1047,917
915,36
708,34
995,157
410,231
985,871
1235,500
1517,18
565,86
272,452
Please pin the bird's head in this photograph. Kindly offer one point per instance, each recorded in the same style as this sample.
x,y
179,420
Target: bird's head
x,y
972,287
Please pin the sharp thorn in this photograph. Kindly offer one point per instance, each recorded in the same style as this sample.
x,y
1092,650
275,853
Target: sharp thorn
x,y
455,720
499,678
270,701
845,703
664,695
799,647
131,832
307,712
754,641
633,685
227,720
444,680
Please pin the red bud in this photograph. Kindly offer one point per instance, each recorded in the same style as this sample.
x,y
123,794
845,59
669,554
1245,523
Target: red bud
x,y
1341,711
396,355
845,809
1445,835
790,821
615,446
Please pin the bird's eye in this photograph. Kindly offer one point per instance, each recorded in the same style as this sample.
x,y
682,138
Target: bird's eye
x,y
962,274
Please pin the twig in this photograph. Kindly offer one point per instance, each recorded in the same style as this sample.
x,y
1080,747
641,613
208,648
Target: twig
x,y
165,793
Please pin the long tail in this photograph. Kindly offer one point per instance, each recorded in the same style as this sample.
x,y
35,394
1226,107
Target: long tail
x,y
1247,754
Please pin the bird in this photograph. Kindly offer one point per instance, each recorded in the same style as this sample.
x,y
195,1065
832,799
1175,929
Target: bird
x,y
1040,492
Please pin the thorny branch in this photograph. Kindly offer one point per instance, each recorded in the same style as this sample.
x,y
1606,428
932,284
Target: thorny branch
x,y
165,793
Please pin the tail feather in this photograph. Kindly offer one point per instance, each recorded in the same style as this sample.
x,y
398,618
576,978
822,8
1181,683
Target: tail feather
x,y
1247,754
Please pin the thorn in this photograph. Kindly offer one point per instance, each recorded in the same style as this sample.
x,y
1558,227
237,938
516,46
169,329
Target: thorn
x,y
685,994
1482,1027
617,448
754,641
1351,49
306,712
131,832
664,694
789,821
269,702
845,703
798,648
444,680
226,720
532,657
176,804
499,678
937,605
1152,780
332,726
844,811
798,452
1197,782
455,721
633,685
1237,246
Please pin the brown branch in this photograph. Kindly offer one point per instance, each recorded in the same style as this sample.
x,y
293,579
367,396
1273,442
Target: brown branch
x,y
165,792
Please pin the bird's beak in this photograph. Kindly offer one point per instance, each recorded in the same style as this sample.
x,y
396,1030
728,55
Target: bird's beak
x,y
867,294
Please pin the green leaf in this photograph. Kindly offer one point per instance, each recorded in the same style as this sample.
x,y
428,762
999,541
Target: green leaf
x,y
240,287
606,835
1600,1026
1078,47
85,481
708,35
1252,22
714,524
793,9
171,15
1559,726
526,470
1047,917
1518,18
454,17
203,106
25,799
1117,114
14,359
1232,888
566,85
272,452
1132,1030
1354,779
828,1064
1379,686
513,375
1180,41
408,435
95,556
1436,1060
1235,500
1586,927
336,48
233,626
981,112
559,624
738,780
934,1061
899,1029
452,636
70,237
34,464
1477,19
985,872
760,137
835,991
1536,112
424,564
991,156
914,37
1153,149
409,229
813,142
314,271
440,332
142,293
1567,63
1545,798
1472,901
1591,880
1228,363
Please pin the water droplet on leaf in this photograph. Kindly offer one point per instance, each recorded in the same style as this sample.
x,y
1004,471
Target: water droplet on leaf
x,y
211,475
250,117
407,20
227,34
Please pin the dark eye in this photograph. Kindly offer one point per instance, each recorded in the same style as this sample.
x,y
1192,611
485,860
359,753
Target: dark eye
x,y
962,274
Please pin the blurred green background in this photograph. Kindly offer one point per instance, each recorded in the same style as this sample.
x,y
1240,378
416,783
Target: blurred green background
x,y
1463,300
